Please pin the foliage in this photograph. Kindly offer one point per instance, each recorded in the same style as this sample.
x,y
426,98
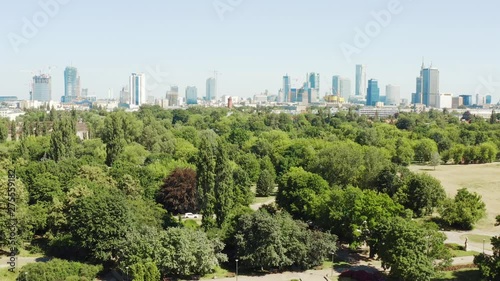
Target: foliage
x,y
265,184
56,270
265,241
421,194
299,192
489,265
464,211
99,224
178,193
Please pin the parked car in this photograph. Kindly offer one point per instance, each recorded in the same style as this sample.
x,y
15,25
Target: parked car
x,y
190,216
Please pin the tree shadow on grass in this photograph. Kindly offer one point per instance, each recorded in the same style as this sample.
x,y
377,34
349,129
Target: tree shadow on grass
x,y
462,275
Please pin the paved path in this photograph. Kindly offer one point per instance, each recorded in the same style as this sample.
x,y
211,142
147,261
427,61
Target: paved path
x,y
456,237
256,206
21,261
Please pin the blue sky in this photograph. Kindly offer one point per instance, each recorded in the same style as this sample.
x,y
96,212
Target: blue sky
x,y
252,45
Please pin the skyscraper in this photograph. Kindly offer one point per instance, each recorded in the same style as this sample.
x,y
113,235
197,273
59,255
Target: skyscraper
x,y
373,94
173,96
287,87
137,87
211,89
191,95
428,86
313,81
42,88
488,99
392,95
71,84
360,81
341,86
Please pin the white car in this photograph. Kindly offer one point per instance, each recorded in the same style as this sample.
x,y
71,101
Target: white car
x,y
190,216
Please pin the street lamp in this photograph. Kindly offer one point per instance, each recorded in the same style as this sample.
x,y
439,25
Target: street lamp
x,y
26,274
127,273
484,240
236,269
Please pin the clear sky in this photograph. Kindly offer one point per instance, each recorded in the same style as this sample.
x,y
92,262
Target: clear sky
x,y
252,43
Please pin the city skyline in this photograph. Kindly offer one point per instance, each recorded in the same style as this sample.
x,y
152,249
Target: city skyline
x,y
234,43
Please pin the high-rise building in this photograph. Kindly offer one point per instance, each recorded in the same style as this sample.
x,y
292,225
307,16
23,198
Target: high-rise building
x,y
287,87
312,87
211,89
125,95
467,100
137,87
71,84
191,95
85,93
392,95
341,86
173,96
488,99
428,86
313,81
418,94
360,80
42,88
373,93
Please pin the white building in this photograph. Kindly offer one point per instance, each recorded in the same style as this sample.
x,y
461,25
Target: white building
x,y
11,114
361,81
392,95
445,101
137,87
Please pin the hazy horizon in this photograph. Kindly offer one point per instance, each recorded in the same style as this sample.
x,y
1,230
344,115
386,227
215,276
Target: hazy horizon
x,y
252,44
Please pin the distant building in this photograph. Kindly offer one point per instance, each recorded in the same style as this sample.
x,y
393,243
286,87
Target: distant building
x,y
287,88
467,100
191,95
393,95
173,96
71,84
230,103
361,81
8,98
430,85
211,93
488,99
137,87
373,93
42,88
445,101
381,112
125,96
457,102
341,86
85,93
11,114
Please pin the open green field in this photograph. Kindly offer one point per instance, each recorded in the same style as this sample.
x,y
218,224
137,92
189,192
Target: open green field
x,y
483,179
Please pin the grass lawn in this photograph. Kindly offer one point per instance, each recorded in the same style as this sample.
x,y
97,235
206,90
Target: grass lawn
x,y
460,275
457,251
479,239
260,200
6,275
483,179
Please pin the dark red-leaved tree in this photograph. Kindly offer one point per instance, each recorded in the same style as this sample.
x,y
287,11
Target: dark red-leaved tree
x,y
178,193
